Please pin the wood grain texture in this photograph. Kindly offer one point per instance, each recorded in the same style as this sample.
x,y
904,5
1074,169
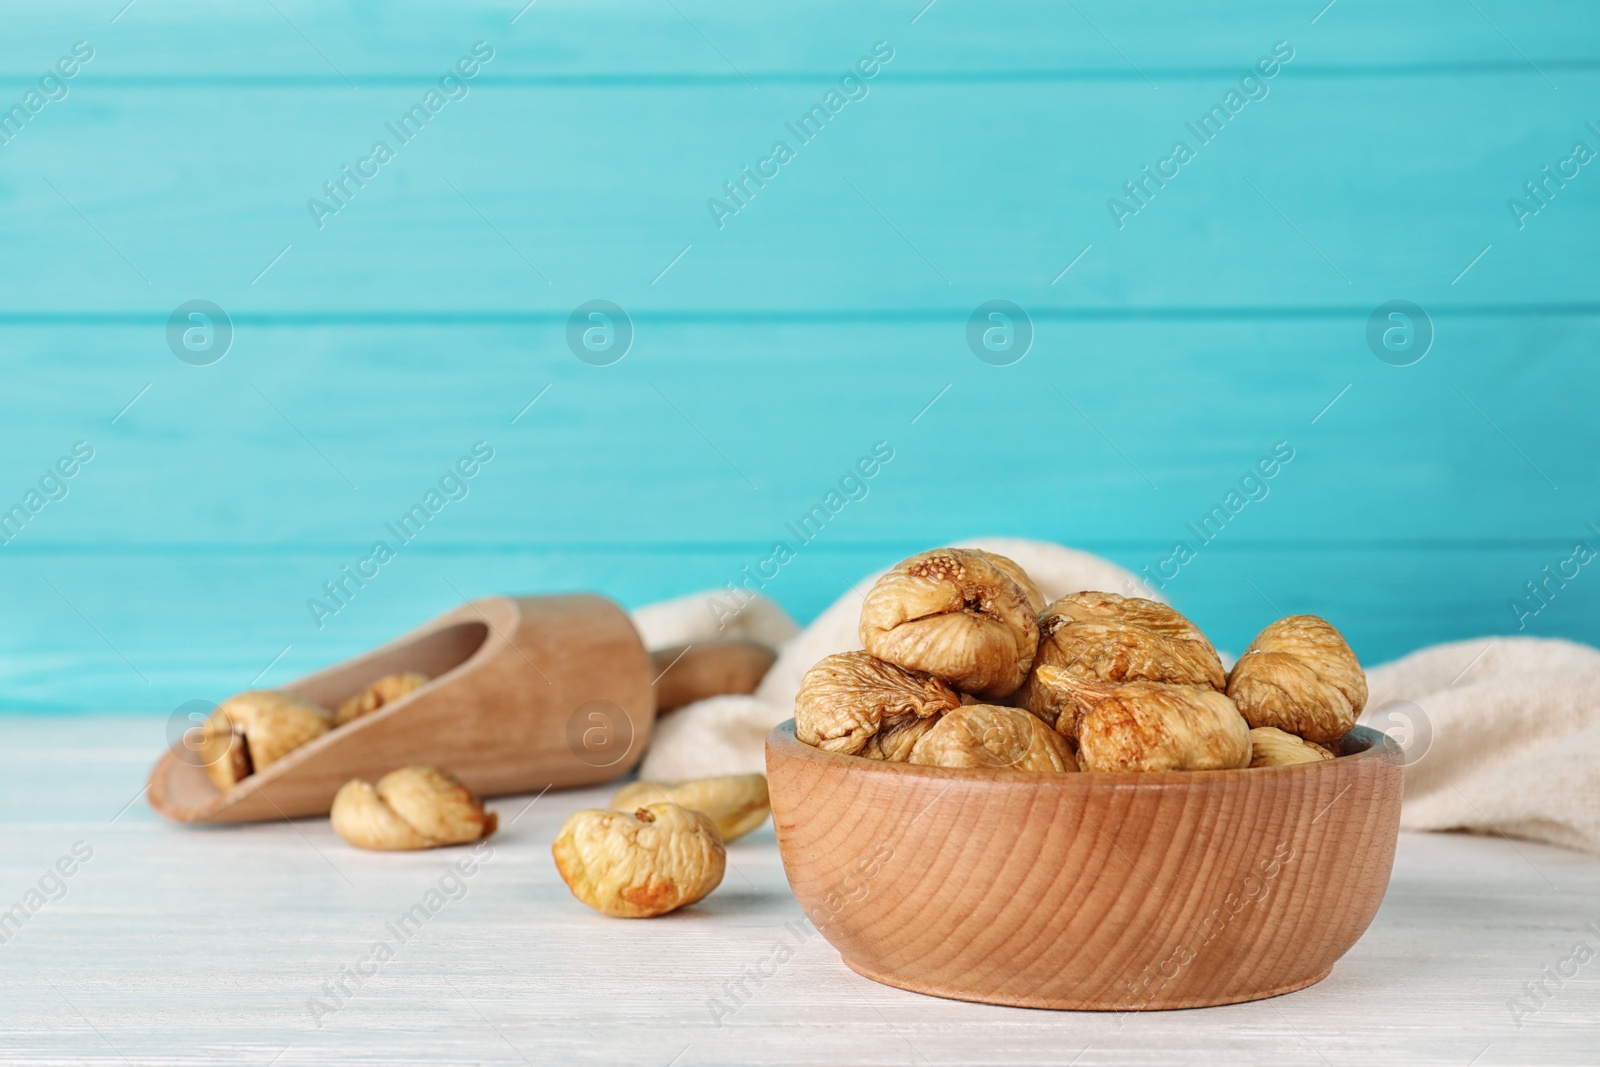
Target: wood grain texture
x,y
181,946
809,242
1088,891
778,348
526,693
664,48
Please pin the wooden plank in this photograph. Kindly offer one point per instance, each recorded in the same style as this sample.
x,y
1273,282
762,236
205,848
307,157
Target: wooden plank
x,y
769,41
924,195
726,431
172,946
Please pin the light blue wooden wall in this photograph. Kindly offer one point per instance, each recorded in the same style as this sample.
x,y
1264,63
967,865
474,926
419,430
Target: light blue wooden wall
x,y
824,317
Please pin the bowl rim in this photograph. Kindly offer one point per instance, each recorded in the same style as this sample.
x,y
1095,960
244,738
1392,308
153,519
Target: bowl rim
x,y
1363,745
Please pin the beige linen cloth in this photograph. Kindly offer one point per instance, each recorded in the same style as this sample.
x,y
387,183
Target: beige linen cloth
x,y
1502,734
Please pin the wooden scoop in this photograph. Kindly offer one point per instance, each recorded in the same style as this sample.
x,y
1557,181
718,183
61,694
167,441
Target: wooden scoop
x,y
525,693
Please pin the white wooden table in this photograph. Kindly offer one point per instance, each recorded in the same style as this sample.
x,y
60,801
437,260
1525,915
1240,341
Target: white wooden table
x,y
177,946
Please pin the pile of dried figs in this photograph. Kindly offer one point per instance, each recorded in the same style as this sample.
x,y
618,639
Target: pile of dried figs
x,y
409,808
966,666
249,732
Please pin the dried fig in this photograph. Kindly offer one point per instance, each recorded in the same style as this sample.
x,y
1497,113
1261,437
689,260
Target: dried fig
x,y
385,690
849,698
1153,726
1111,638
660,858
1300,676
410,808
249,732
956,615
1271,747
984,735
737,804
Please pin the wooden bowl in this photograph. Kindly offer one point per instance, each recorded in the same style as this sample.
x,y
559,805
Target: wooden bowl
x,y
1088,891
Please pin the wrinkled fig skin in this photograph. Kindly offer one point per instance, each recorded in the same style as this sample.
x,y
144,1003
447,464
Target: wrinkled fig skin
x,y
1074,694
659,859
385,690
1111,638
1153,726
897,737
956,615
737,804
1300,676
995,738
1271,747
1015,572
847,698
410,808
250,732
